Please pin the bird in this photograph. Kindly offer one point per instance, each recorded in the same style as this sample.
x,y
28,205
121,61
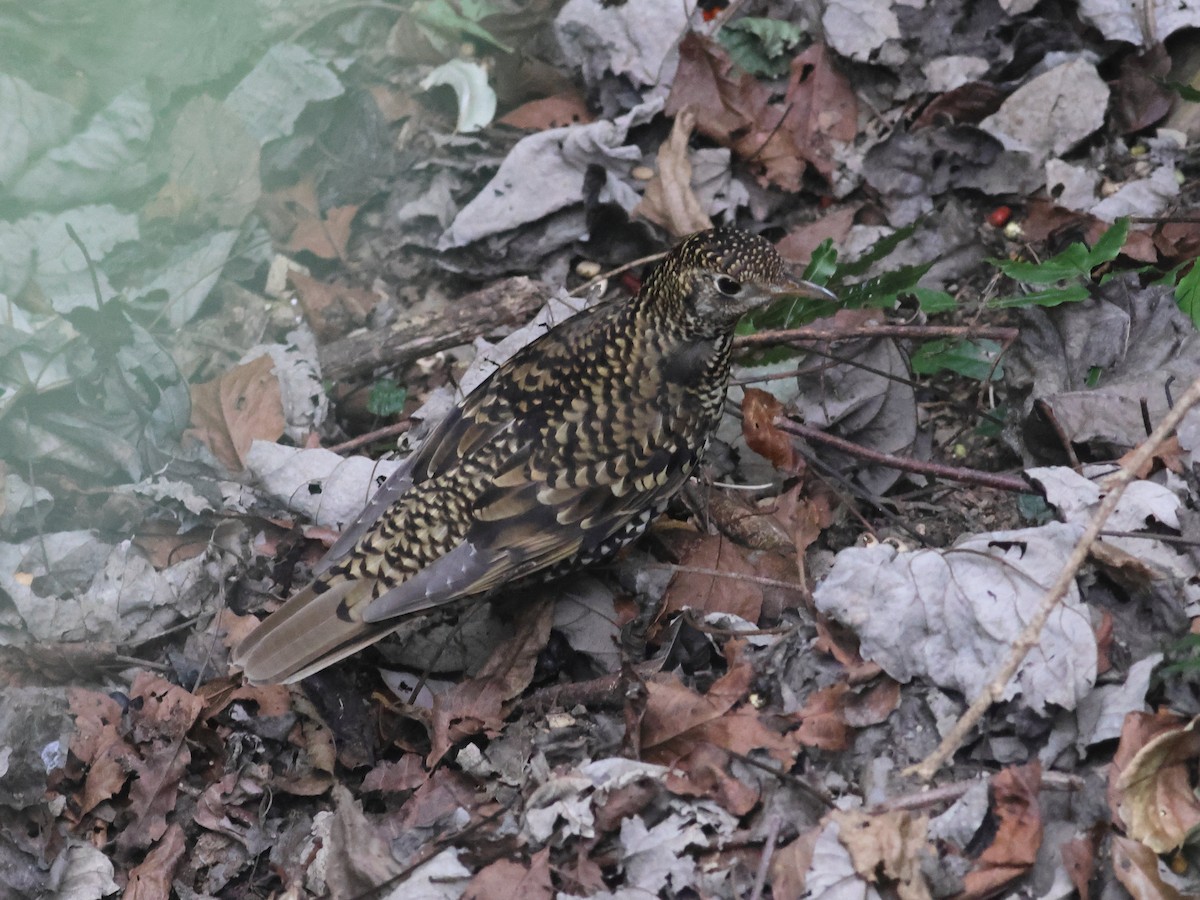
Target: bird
x,y
562,456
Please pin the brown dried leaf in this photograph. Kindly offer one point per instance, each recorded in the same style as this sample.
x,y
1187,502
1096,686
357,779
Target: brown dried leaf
x,y
332,310
886,849
161,714
406,774
823,719
1079,859
759,411
507,878
99,747
477,705
294,218
677,719
567,108
151,879
967,104
725,593
1136,867
834,224
1014,849
789,865
669,200
1153,792
821,107
705,773
231,412
873,705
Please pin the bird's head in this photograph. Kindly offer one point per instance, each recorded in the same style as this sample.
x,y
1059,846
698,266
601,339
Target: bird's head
x,y
715,277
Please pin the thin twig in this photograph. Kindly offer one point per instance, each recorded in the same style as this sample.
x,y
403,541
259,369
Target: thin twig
x,y
1114,486
907,464
604,276
774,823
396,428
813,333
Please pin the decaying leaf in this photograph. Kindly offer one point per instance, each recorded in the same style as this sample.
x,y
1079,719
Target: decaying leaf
x,y
1154,787
231,412
669,200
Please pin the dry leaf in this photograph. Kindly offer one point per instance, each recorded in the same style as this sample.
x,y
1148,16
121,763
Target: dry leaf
x,y
759,411
886,849
332,310
231,412
507,878
669,200
1154,791
1014,848
568,108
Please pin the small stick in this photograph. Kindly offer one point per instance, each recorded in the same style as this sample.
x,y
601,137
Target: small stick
x,y
906,464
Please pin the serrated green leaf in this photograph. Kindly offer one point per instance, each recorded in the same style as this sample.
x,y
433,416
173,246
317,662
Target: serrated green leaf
x,y
1187,294
1110,243
883,290
879,250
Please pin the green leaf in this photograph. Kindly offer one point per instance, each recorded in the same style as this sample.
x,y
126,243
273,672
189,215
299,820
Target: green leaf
x,y
1109,246
34,121
932,301
1033,507
972,359
881,248
883,290
991,425
822,264
1187,294
1049,297
758,45
109,156
440,16
386,398
1077,261
1187,92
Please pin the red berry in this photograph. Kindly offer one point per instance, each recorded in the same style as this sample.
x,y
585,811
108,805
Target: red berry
x,y
999,216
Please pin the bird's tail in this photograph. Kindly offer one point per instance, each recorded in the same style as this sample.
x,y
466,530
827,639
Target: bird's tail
x,y
307,634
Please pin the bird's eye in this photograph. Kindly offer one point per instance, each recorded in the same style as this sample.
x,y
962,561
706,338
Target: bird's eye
x,y
728,286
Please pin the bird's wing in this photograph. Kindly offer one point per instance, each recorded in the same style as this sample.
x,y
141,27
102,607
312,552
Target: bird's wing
x,y
464,429
520,527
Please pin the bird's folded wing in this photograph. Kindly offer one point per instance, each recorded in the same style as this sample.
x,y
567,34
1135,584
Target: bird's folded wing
x,y
523,527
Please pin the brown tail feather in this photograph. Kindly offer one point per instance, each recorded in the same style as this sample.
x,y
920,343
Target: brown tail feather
x,y
305,635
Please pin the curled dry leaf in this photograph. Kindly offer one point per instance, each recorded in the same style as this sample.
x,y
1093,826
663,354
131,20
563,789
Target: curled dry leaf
x,y
887,846
669,200
759,411
1014,848
1153,791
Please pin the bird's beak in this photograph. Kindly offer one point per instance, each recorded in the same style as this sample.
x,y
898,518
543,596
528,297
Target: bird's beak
x,y
796,287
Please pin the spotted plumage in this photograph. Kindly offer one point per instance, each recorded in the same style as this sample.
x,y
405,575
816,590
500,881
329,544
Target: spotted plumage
x,y
563,455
